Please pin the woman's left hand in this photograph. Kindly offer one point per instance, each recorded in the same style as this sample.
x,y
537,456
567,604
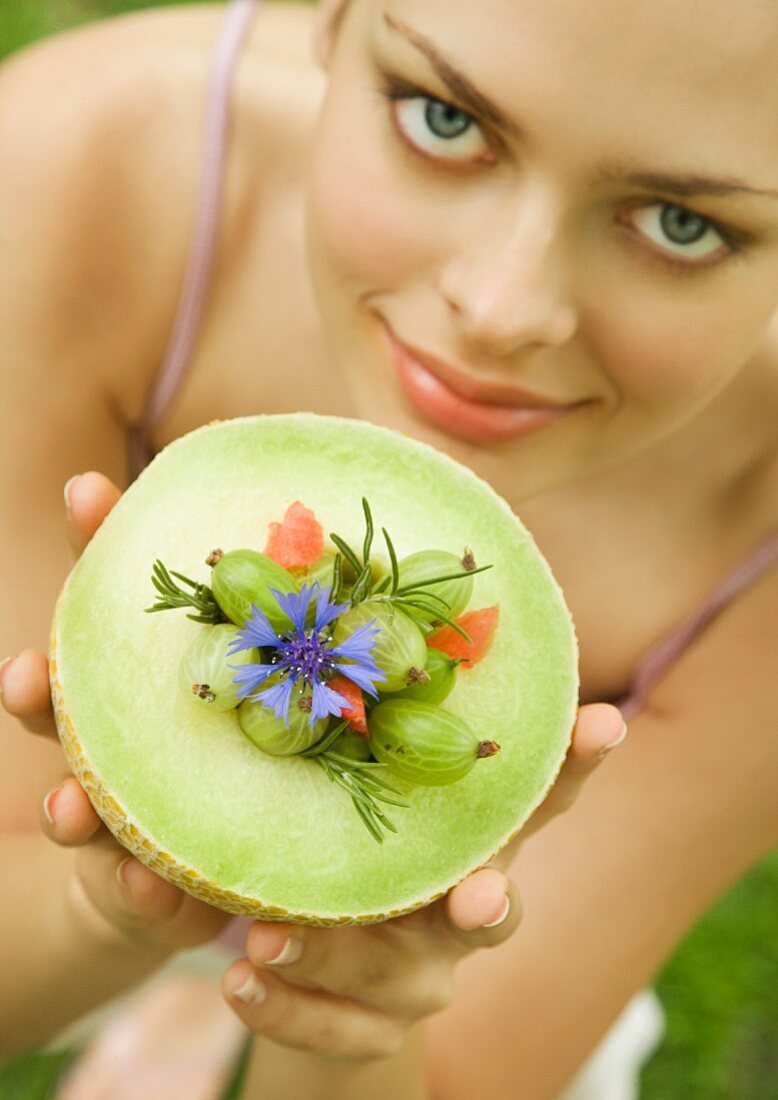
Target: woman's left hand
x,y
352,993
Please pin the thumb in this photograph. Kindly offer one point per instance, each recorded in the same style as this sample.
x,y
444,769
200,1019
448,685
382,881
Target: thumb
x,y
88,500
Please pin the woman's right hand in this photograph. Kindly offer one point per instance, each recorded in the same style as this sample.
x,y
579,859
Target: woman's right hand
x,y
110,892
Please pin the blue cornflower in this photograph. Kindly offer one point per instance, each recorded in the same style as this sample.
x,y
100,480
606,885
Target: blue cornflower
x,y
304,656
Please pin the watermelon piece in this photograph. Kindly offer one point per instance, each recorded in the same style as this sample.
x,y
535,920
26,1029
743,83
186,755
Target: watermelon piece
x,y
298,540
479,624
355,714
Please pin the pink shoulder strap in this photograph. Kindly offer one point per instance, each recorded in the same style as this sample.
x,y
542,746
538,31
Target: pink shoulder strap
x,y
653,665
199,263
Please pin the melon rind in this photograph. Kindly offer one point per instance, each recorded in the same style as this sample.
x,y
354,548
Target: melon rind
x,y
188,794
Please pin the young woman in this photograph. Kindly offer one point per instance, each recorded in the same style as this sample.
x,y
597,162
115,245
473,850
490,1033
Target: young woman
x,y
545,242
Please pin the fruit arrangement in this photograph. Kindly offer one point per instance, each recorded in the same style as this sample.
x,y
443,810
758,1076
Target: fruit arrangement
x,y
202,780
298,666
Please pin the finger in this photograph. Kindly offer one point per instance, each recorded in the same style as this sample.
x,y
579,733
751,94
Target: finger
x,y
375,966
88,500
599,728
309,1020
26,693
119,899
482,911
127,904
67,816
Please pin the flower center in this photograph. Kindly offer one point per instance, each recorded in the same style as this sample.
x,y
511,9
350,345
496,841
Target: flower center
x,y
305,657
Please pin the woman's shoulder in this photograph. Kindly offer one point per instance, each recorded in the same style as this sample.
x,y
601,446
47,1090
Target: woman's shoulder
x,y
138,82
104,125
99,130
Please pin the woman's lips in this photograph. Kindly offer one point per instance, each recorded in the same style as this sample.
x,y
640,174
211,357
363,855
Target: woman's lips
x,y
479,421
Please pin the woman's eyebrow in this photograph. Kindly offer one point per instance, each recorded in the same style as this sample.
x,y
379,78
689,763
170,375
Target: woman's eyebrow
x,y
456,81
684,184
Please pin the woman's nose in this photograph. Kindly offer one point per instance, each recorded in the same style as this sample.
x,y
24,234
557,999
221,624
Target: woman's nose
x,y
509,286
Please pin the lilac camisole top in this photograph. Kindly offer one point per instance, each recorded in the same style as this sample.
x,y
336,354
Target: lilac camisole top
x,y
186,325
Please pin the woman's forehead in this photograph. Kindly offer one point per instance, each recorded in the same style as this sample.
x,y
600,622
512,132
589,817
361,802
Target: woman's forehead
x,y
686,71
744,30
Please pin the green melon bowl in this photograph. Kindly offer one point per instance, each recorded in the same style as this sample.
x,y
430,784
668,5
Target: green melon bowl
x,y
186,792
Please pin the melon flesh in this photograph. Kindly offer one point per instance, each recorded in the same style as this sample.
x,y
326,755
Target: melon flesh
x,y
183,788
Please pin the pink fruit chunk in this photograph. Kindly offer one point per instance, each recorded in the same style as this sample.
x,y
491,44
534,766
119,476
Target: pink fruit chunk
x,y
479,624
355,714
298,541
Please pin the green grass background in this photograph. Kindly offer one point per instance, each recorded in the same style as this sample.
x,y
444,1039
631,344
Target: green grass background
x,y
719,989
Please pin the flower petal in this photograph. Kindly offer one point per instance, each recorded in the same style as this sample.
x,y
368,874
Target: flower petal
x,y
363,677
278,697
250,677
359,645
326,701
294,605
326,611
257,633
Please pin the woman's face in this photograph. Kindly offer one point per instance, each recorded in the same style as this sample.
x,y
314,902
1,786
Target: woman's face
x,y
556,199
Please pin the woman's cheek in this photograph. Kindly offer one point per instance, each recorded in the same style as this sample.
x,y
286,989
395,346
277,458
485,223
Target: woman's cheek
x,y
373,234
666,359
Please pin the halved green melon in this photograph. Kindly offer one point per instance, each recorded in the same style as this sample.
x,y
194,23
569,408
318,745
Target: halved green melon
x,y
186,792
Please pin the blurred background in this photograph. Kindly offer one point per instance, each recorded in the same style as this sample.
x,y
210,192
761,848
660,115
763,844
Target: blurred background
x,y
720,988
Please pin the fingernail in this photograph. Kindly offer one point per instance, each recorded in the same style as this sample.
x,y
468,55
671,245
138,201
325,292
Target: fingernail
x,y
252,992
604,751
49,804
4,666
66,495
289,953
503,914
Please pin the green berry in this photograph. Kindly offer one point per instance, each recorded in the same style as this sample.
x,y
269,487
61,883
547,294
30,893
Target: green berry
x,y
424,744
203,673
425,565
399,645
434,682
241,578
271,734
351,744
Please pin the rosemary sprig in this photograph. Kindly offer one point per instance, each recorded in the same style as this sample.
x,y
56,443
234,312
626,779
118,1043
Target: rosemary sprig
x,y
355,777
325,742
347,552
439,580
408,603
172,595
362,585
413,597
393,559
337,577
368,531
363,567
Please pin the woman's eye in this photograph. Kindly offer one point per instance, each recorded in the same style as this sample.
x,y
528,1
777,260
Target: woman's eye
x,y
678,230
439,128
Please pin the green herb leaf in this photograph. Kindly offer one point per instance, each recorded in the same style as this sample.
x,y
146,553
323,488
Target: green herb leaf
x,y
172,595
337,577
410,602
439,580
393,559
362,585
368,531
347,552
356,777
324,743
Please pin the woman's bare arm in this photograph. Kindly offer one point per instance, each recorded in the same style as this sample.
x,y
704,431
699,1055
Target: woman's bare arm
x,y
81,257
682,811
